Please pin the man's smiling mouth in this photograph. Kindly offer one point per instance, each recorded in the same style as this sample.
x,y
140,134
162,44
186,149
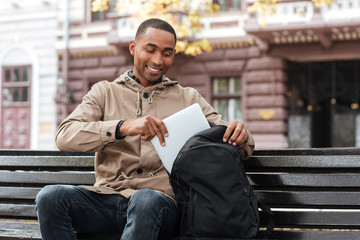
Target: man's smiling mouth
x,y
153,69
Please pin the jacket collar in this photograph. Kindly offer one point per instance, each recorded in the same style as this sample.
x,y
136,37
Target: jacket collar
x,y
138,88
135,86
131,75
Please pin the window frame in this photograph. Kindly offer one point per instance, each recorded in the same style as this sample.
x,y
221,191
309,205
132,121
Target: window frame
x,y
228,96
16,84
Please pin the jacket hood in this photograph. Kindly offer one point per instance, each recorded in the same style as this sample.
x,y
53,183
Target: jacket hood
x,y
138,88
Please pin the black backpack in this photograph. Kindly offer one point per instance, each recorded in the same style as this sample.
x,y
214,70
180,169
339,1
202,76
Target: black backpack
x,y
212,190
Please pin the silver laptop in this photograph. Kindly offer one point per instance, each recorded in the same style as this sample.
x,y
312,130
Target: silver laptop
x,y
181,126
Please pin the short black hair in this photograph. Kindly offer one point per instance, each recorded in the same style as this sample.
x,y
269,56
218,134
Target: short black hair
x,y
157,24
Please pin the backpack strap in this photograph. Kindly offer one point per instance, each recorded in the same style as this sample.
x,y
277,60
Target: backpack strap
x,y
270,219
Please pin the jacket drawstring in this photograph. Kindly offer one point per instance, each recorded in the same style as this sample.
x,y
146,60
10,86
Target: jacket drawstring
x,y
138,103
156,172
150,99
123,175
153,174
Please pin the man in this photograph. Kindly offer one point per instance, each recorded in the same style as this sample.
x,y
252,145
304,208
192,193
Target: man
x,y
132,194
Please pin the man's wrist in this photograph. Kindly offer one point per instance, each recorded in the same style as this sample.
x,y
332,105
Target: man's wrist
x,y
117,131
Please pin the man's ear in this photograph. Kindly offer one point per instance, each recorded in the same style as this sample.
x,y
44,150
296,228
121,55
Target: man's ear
x,y
132,47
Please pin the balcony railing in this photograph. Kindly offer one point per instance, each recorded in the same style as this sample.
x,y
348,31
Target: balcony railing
x,y
341,10
290,12
222,25
303,12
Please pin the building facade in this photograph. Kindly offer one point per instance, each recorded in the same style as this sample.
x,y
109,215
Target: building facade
x,y
28,63
320,52
293,82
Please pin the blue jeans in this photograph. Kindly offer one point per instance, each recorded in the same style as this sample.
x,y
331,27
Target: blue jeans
x,y
63,210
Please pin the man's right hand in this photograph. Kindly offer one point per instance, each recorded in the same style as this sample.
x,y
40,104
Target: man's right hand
x,y
147,127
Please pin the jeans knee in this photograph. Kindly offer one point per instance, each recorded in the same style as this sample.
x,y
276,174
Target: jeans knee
x,y
145,197
149,209
146,200
49,196
42,198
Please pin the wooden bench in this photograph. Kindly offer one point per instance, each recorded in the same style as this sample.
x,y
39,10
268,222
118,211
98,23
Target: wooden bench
x,y
314,193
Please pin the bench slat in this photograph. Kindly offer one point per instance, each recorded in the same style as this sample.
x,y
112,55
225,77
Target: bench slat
x,y
321,161
319,180
317,235
15,234
308,151
27,152
17,210
19,192
32,177
52,161
19,225
305,179
303,217
312,217
313,198
294,198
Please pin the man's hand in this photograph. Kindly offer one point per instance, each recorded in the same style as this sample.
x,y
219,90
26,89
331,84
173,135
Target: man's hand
x,y
235,133
147,127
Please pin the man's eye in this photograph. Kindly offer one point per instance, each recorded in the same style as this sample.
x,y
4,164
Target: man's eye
x,y
167,54
150,50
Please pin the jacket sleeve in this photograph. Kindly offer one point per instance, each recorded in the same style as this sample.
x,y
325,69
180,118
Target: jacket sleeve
x,y
247,148
84,130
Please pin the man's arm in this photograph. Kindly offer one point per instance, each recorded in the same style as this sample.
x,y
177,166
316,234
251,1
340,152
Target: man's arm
x,y
84,129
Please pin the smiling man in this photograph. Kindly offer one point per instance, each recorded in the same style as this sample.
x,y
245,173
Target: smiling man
x,y
132,195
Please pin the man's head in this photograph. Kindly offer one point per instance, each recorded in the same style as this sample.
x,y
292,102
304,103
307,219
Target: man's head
x,y
153,50
156,24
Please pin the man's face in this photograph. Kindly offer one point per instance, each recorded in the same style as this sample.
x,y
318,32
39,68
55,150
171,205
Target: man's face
x,y
153,53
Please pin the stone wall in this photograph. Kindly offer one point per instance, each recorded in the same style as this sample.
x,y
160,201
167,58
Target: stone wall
x,y
266,101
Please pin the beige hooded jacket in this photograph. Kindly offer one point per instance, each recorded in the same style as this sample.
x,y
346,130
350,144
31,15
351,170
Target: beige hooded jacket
x,y
126,165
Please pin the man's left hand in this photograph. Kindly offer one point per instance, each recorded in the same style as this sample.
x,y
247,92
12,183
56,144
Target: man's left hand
x,y
235,133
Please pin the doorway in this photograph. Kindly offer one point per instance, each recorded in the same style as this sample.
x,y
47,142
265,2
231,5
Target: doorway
x,y
327,95
15,107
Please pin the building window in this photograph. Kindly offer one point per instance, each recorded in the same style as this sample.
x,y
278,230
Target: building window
x,y
16,86
229,5
227,97
102,16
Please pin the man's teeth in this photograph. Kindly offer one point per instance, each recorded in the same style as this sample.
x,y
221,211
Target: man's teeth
x,y
153,69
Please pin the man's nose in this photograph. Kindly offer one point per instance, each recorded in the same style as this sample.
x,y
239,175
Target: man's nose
x,y
157,58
